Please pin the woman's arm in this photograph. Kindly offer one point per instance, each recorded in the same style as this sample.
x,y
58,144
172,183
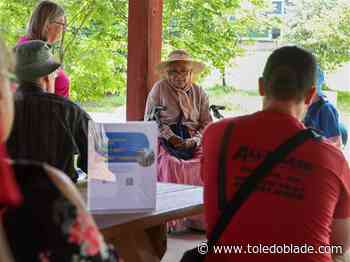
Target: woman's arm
x,y
153,100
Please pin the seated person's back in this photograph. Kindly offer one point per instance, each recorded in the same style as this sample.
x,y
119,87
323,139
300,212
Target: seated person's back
x,y
323,115
294,204
44,216
52,222
47,128
302,201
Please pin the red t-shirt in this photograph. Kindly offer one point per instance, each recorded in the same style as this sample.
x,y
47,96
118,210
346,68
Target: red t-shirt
x,y
295,203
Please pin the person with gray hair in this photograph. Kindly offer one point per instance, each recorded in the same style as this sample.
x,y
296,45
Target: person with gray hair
x,y
47,128
48,23
43,217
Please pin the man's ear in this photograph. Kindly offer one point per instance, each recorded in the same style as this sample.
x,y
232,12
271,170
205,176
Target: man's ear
x,y
310,95
261,87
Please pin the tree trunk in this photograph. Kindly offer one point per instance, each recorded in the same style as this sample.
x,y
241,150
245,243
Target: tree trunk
x,y
223,78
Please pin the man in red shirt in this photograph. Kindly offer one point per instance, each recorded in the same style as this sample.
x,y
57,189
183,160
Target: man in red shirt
x,y
303,205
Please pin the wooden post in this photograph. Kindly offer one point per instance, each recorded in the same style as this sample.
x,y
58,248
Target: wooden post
x,y
144,53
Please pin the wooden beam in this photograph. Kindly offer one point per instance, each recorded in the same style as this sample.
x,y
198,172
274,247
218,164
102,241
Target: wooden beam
x,y
144,53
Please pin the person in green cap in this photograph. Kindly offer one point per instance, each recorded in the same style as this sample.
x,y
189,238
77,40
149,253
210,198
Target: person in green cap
x,y
47,128
43,217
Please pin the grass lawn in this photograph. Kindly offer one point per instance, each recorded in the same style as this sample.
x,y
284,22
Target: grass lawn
x,y
237,102
109,103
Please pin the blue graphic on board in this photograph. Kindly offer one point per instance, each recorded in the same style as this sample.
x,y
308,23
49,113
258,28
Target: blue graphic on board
x,y
126,147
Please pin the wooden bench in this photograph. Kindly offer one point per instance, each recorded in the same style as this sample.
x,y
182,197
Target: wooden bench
x,y
143,236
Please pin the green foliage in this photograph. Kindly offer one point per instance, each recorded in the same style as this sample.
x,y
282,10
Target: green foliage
x,y
95,46
13,18
204,29
108,103
343,101
237,102
322,26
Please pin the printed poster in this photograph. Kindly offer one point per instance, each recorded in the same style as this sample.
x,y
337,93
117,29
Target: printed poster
x,y
122,167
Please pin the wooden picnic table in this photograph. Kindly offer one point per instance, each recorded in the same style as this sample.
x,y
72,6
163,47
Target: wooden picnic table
x,y
143,236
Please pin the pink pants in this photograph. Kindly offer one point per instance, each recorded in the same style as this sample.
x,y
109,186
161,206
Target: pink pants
x,y
179,171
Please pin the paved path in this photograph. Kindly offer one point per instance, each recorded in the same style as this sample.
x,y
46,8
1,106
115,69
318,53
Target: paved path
x,y
119,115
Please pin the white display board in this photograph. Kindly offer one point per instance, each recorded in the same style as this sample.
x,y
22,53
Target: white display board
x,y
122,167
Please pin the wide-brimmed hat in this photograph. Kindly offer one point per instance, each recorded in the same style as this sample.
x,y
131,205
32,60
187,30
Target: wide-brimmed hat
x,y
34,60
181,56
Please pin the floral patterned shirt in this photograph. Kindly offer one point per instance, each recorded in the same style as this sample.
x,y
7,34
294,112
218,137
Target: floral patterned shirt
x,y
48,227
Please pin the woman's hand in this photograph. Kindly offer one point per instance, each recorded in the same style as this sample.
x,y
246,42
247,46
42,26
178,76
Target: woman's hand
x,y
177,142
190,143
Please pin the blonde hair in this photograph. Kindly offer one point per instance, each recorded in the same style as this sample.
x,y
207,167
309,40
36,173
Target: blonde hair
x,y
44,13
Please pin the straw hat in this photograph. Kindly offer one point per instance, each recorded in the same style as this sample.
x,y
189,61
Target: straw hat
x,y
34,60
183,56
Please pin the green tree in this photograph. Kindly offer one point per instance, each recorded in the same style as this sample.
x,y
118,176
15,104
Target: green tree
x,y
210,30
95,45
321,26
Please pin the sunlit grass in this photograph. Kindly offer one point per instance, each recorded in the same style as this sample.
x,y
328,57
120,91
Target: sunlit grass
x,y
107,104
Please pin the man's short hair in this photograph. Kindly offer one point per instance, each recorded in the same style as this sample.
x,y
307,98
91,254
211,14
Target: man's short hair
x,y
289,73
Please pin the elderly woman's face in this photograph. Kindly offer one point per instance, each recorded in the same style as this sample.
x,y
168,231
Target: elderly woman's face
x,y
6,105
179,74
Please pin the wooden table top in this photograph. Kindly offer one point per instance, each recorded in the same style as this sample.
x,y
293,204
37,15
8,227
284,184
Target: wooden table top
x,y
173,201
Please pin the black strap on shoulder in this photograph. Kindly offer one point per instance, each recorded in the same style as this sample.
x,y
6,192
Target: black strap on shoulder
x,y
222,166
257,175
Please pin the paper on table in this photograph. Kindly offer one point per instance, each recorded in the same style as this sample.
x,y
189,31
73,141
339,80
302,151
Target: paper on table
x,y
122,166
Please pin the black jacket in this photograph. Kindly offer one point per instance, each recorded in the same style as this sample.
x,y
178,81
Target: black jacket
x,y
49,128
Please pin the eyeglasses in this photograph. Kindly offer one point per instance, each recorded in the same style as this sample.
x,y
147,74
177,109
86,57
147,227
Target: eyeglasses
x,y
178,73
60,23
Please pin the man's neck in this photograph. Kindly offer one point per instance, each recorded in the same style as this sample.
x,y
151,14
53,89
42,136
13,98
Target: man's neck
x,y
291,108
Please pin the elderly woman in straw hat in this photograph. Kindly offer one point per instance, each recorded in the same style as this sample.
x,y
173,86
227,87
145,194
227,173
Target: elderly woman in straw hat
x,y
182,122
186,111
